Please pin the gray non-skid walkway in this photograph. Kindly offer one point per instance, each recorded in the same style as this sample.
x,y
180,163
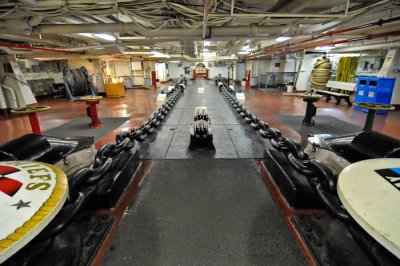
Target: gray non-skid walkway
x,y
203,212
233,138
199,210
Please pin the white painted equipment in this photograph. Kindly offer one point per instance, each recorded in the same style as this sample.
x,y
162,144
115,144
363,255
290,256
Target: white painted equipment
x,y
240,96
200,110
161,97
200,90
334,162
201,134
77,160
15,92
289,88
370,192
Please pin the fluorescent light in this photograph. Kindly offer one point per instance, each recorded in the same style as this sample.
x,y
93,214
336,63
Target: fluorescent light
x,y
174,61
347,55
86,35
135,52
158,54
282,38
243,52
325,48
131,37
105,36
246,47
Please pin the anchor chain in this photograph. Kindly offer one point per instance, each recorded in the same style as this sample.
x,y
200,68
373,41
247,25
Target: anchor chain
x,y
318,175
109,159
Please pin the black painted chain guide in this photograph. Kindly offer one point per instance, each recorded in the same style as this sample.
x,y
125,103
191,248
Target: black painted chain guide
x,y
323,181
84,186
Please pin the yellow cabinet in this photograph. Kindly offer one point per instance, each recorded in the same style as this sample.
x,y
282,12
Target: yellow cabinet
x,y
115,89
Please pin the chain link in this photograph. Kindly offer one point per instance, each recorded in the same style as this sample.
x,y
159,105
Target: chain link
x,y
318,175
109,159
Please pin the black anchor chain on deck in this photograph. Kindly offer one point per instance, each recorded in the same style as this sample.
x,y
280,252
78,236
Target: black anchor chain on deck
x,y
109,159
319,176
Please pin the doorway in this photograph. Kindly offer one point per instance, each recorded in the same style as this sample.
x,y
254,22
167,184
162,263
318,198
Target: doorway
x,y
201,71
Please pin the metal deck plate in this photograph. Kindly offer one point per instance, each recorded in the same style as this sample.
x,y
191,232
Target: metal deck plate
x,y
203,212
233,138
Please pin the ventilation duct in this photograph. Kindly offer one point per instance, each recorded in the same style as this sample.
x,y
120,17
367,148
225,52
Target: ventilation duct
x,y
306,6
228,31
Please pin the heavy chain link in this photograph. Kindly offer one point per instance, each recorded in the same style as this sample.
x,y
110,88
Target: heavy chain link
x,y
109,160
319,176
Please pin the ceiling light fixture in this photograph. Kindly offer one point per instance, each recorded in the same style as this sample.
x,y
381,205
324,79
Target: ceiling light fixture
x,y
136,52
105,36
325,48
159,54
282,38
243,52
131,37
90,35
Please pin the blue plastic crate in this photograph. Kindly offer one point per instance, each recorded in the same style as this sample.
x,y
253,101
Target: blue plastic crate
x,y
361,90
374,90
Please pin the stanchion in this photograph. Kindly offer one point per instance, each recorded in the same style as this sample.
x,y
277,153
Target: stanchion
x,y
33,117
91,102
372,108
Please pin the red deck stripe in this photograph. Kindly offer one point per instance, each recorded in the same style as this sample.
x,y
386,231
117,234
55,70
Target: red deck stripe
x,y
287,211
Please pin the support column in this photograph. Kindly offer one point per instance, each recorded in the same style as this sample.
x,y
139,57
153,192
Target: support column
x,y
248,78
98,76
153,79
369,122
33,119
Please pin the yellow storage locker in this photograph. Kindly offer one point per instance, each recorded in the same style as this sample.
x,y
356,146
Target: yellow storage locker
x,y
115,90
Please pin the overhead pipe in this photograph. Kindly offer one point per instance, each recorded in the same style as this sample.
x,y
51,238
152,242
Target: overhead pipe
x,y
13,52
26,47
145,42
31,39
298,5
206,6
225,31
332,33
367,47
369,37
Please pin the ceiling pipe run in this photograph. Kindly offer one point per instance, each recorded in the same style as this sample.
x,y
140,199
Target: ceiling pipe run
x,y
28,38
26,47
374,36
332,33
206,6
225,31
367,47
13,52
298,5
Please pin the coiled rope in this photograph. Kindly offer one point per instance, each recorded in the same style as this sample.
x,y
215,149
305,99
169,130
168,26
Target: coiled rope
x,y
321,73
